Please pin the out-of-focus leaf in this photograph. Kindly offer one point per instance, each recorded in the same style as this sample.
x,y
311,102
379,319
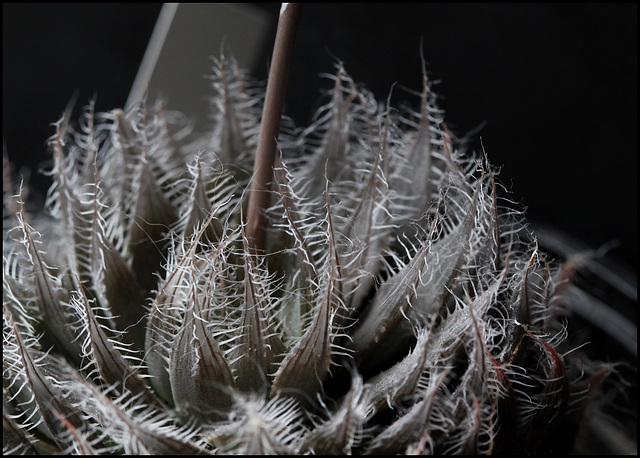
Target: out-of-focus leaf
x,y
15,439
138,431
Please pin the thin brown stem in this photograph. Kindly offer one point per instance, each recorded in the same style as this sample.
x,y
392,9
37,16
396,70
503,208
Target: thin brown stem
x,y
260,195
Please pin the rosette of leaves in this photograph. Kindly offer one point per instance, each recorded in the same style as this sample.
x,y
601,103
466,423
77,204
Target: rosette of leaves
x,y
394,310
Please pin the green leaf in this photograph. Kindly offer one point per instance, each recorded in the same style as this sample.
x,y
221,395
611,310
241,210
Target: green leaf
x,y
300,266
200,375
259,349
304,368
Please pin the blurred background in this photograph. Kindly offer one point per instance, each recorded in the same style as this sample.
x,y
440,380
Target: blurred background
x,y
550,90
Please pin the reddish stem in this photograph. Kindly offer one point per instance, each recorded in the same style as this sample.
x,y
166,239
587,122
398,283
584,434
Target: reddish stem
x,y
260,195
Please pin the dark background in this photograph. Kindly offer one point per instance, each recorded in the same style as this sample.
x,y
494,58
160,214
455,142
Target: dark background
x,y
554,85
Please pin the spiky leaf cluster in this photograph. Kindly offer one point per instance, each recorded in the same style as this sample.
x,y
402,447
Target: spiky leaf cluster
x,y
396,309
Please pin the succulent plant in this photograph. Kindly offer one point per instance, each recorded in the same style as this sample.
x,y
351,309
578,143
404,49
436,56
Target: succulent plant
x,y
395,306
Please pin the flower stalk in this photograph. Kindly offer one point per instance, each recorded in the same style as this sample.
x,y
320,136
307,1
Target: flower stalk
x,y
259,196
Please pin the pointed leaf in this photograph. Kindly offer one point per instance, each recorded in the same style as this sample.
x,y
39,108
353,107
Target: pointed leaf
x,y
49,294
261,428
409,428
448,254
163,322
554,398
259,348
153,215
235,121
390,304
302,273
112,278
200,208
368,229
304,368
201,377
166,314
49,397
15,439
138,431
340,433
401,380
332,156
412,179
113,368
